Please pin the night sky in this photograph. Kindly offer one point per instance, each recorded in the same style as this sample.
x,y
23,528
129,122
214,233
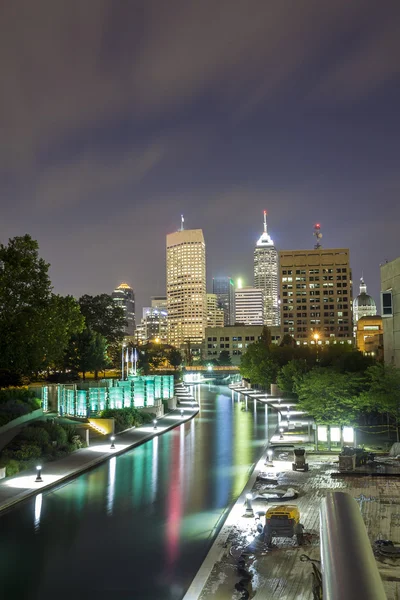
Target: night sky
x,y
118,116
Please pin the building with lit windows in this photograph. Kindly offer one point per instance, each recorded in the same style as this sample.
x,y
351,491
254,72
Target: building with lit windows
x,y
249,306
224,288
266,275
155,323
316,295
186,287
369,335
215,313
124,297
235,340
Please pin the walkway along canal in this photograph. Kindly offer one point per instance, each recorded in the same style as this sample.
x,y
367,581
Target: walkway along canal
x,y
139,525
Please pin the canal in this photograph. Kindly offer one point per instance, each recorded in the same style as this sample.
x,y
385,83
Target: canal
x,y
139,525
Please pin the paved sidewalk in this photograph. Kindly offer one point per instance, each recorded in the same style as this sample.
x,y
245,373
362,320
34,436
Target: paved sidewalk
x,y
21,486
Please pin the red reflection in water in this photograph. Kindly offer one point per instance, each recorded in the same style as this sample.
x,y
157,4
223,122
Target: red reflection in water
x,y
174,506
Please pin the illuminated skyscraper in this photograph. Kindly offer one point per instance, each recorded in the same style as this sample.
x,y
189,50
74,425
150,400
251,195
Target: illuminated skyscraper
x,y
124,296
224,288
249,306
186,287
266,275
215,313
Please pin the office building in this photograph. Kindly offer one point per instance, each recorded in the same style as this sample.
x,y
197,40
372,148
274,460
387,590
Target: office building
x,y
390,297
159,302
124,297
186,287
155,323
249,306
266,275
215,313
235,339
316,292
224,289
364,304
369,335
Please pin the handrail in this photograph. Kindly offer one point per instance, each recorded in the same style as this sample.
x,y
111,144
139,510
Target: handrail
x,y
349,568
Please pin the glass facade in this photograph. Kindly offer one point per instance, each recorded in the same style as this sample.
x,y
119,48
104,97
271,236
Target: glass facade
x,y
139,392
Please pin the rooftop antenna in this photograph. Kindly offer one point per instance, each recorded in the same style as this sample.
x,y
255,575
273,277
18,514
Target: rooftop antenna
x,y
182,222
265,221
318,235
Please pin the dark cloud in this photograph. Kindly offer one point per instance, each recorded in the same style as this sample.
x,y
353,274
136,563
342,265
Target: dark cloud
x,y
117,116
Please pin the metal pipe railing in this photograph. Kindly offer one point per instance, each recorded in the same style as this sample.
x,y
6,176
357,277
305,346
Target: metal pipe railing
x,y
349,568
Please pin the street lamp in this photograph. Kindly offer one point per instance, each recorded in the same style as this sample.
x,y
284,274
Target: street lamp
x,y
112,447
270,454
249,506
281,433
39,474
316,338
181,413
155,423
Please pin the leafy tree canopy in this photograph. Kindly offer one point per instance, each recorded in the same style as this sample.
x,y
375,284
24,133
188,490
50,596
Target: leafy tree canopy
x,y
174,358
224,358
331,397
291,374
104,316
383,393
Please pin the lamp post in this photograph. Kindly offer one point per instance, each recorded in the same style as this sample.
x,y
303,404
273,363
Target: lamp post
x,y
155,423
181,413
112,447
249,506
39,474
281,433
270,455
122,362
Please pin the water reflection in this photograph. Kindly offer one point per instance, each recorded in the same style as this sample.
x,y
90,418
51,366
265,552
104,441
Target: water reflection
x,y
38,510
158,507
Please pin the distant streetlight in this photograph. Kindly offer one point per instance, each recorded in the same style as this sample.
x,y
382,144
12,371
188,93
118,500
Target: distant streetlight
x,y
249,506
181,413
112,447
281,433
155,423
270,454
39,474
316,338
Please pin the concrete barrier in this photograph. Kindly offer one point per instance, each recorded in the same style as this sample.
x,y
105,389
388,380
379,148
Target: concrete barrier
x,y
35,414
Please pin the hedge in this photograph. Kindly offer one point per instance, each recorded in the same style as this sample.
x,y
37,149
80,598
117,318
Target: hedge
x,y
125,418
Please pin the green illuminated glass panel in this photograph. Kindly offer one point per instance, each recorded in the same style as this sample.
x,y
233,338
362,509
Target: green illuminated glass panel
x,y
138,392
81,408
149,392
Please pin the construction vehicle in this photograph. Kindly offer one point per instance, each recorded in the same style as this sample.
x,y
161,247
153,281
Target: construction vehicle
x,y
283,521
299,457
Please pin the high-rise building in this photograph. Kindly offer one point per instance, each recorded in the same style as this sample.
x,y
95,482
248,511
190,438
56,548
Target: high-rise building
x,y
155,324
249,303
316,295
215,313
124,296
186,287
224,289
364,304
266,275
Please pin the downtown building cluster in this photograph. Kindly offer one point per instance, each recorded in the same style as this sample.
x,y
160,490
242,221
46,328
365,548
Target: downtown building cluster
x,y
305,294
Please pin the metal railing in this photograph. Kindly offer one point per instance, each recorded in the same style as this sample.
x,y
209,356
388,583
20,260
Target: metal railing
x,y
349,568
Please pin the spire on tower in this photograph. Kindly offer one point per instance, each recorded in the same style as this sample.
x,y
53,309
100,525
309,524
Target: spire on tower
x,y
265,221
182,222
318,235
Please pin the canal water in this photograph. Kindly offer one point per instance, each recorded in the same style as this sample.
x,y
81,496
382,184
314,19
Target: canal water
x,y
138,526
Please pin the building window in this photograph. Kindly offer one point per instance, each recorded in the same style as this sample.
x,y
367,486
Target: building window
x,y
387,303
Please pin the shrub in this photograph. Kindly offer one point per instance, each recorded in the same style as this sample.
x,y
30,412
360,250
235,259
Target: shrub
x,y
25,451
36,435
127,417
12,467
9,378
57,434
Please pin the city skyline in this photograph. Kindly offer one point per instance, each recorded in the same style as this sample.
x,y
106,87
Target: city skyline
x,y
98,160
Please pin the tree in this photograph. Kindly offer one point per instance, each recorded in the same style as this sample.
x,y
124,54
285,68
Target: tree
x,y
25,292
64,320
288,340
224,358
104,316
88,352
290,374
383,393
258,366
174,357
331,397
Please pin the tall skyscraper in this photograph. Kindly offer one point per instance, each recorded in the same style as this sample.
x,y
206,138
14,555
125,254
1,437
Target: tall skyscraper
x,y
124,296
316,294
266,275
249,304
224,288
215,313
186,287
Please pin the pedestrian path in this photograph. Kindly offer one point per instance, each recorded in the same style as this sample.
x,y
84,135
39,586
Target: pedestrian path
x,y
21,486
